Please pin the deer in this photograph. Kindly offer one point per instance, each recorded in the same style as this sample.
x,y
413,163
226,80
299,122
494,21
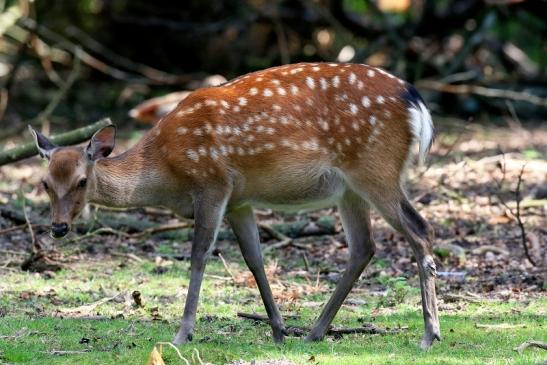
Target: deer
x,y
294,137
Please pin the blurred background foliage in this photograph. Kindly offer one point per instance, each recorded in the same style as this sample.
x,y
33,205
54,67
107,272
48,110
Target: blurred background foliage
x,y
470,58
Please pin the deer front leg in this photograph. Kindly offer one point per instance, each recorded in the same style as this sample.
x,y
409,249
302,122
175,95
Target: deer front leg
x,y
244,226
208,212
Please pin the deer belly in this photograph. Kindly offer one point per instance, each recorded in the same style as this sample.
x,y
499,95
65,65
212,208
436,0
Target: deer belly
x,y
303,192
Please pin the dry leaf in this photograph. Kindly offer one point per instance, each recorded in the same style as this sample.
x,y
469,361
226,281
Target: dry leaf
x,y
155,358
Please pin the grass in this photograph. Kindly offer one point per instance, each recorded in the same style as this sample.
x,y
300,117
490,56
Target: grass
x,y
30,305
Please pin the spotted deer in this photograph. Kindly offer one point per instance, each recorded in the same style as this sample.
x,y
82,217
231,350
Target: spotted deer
x,y
300,136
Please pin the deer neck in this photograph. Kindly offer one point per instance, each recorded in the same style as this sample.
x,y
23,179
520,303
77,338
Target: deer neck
x,y
128,180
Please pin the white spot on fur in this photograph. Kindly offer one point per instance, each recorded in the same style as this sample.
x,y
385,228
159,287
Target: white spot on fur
x,y
236,108
198,132
242,101
324,83
353,109
267,92
324,124
372,120
360,85
224,104
336,81
370,73
214,153
380,99
365,100
294,89
352,78
192,155
276,107
253,91
296,70
202,151
210,102
281,91
310,82
355,126
182,130
315,68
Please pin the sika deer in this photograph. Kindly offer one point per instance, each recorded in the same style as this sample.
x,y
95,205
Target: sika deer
x,y
297,136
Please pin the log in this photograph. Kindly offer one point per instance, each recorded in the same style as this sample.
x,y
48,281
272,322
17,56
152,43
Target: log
x,y
64,139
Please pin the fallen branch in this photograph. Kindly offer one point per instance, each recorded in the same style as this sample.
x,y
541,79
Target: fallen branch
x,y
489,248
500,326
483,91
76,136
283,240
65,352
460,297
87,308
531,343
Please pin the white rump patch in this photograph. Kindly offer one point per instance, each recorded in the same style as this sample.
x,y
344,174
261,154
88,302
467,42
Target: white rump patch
x,y
421,127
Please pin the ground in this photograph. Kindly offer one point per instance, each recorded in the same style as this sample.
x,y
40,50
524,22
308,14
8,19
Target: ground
x,y
85,312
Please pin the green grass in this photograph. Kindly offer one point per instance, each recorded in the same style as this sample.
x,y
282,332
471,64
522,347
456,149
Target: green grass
x,y
32,302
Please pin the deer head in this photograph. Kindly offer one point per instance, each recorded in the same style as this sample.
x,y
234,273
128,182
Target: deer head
x,y
70,175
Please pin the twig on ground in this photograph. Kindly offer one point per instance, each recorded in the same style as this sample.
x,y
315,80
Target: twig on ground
x,y
65,352
460,297
11,229
87,308
11,252
515,212
500,326
531,343
35,246
159,229
225,264
130,256
489,248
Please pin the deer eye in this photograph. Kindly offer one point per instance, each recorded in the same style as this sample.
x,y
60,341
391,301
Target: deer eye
x,y
46,186
82,183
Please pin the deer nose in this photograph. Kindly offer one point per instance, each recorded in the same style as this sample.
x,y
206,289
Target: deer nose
x,y
59,229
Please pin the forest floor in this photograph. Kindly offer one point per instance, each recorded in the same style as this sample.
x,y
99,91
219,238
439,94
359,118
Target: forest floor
x,y
79,308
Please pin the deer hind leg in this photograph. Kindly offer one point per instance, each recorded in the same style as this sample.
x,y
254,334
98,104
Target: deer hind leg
x,y
244,226
354,212
395,208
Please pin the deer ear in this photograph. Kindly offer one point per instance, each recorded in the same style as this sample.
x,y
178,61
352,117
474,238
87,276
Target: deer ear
x,y
44,145
102,143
